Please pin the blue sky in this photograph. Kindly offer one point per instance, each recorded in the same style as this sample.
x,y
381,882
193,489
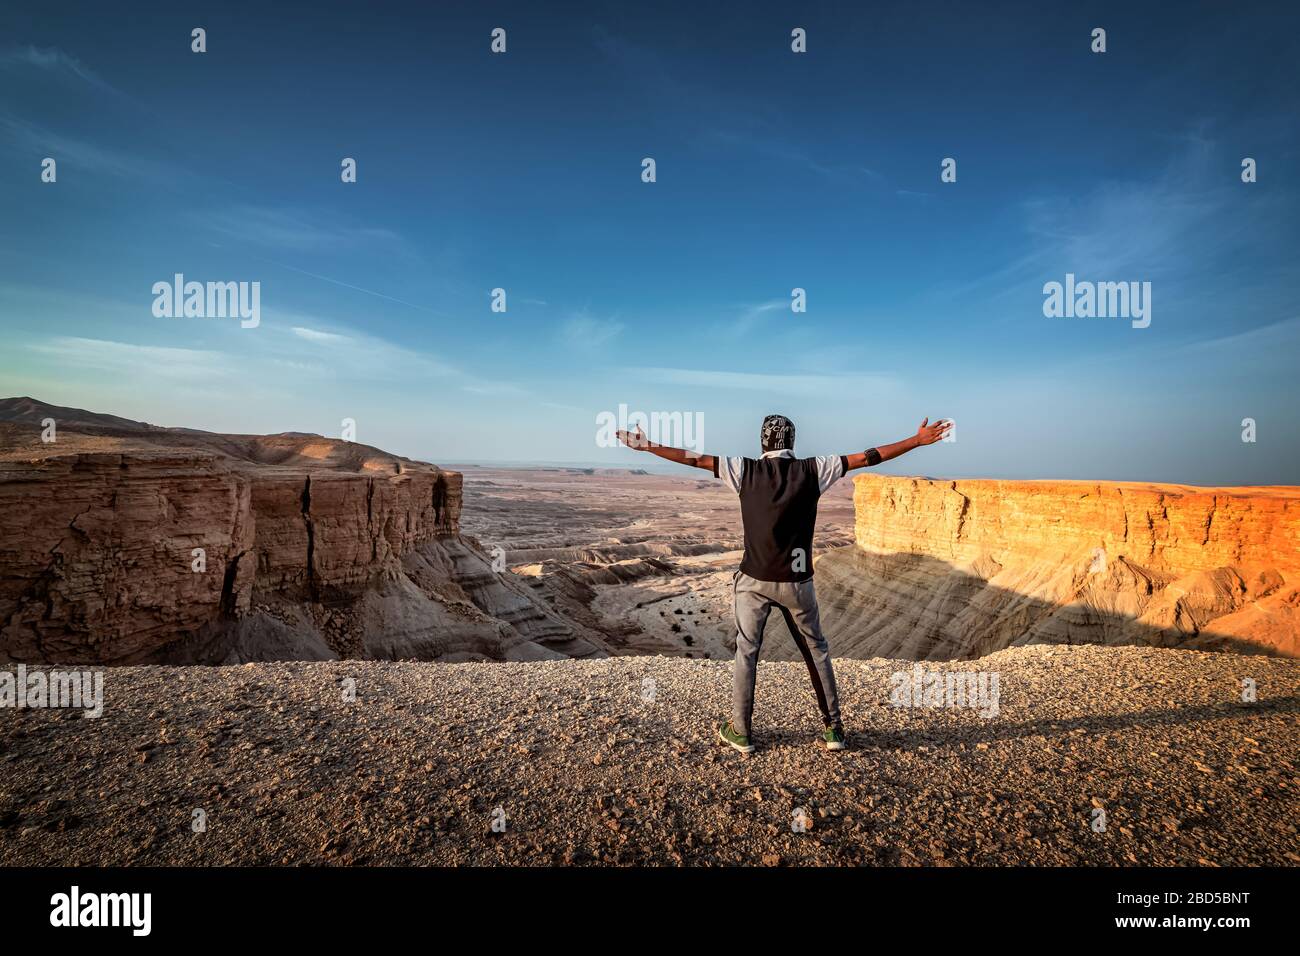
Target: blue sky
x,y
774,171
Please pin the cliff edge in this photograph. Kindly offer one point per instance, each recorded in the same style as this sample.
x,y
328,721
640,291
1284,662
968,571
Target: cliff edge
x,y
124,542
958,569
617,761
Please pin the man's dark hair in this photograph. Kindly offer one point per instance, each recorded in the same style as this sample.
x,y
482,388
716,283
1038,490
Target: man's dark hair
x,y
778,433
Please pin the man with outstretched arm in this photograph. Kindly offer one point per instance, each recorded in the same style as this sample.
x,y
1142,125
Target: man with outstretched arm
x,y
778,505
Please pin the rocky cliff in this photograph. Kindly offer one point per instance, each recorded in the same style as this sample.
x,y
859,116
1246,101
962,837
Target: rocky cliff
x,y
122,542
959,569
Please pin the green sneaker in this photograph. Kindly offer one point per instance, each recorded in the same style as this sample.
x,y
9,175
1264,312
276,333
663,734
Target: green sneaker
x,y
834,738
729,736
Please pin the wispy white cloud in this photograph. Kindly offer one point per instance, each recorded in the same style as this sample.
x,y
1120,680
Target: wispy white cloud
x,y
1257,340
773,145
1184,222
315,335
347,352
582,330
778,383
74,153
483,386
751,316
134,360
288,350
753,124
314,368
52,62
355,288
294,229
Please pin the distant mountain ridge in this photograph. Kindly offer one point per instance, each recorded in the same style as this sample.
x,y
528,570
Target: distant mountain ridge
x,y
31,411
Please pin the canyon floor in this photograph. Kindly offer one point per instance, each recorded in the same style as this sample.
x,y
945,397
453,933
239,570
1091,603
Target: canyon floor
x,y
943,569
658,550
615,761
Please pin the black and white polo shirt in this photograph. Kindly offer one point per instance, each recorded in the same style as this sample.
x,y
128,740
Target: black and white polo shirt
x,y
778,504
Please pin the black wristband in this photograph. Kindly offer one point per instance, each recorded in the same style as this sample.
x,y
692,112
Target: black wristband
x,y
873,457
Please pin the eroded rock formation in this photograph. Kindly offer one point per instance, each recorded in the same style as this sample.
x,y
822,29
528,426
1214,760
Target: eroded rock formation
x,y
959,569
121,542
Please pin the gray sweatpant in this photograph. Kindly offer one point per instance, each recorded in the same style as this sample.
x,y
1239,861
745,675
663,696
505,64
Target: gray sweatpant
x,y
797,602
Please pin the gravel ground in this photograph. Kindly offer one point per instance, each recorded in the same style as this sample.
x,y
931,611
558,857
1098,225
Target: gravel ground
x,y
586,770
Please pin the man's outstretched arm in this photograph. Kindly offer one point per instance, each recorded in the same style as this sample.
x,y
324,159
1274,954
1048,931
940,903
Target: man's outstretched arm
x,y
682,456
927,434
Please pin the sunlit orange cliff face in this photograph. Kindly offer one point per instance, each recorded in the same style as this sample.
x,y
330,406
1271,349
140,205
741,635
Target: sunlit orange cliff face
x,y
954,569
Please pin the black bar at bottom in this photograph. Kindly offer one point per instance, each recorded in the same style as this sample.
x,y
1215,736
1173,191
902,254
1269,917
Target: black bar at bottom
x,y
333,905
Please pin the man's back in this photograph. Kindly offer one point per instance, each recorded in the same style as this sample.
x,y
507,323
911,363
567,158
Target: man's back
x,y
778,504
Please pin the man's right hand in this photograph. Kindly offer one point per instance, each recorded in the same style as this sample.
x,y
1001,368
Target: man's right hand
x,y
928,434
634,440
